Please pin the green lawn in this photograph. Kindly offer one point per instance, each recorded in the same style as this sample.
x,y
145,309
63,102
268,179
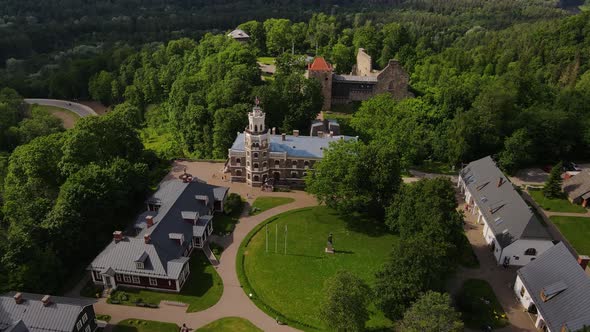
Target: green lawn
x,y
267,60
555,204
138,325
264,203
201,291
576,230
290,286
479,306
230,324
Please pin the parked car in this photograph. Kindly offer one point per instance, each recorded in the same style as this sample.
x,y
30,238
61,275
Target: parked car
x,y
570,166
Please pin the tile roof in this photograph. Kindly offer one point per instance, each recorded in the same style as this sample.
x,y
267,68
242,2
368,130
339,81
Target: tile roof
x,y
295,146
320,64
238,34
508,216
577,185
163,255
60,315
556,267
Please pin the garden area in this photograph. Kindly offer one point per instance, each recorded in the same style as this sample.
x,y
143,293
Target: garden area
x,y
554,204
230,324
290,285
479,306
576,230
264,203
138,325
202,289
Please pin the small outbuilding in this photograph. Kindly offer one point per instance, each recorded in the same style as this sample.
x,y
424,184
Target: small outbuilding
x,y
239,35
577,188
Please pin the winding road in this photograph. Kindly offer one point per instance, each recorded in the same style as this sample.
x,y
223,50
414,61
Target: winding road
x,y
81,110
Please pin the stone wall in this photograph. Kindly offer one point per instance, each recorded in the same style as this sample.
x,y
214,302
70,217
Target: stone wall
x,y
394,80
364,64
325,78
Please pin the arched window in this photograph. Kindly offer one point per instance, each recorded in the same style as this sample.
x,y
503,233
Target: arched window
x,y
255,154
255,165
238,172
248,176
248,163
264,164
256,178
306,163
255,128
530,252
304,173
294,174
264,154
277,163
238,161
294,163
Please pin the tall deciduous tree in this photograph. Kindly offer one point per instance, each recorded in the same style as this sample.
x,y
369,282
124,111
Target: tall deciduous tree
x,y
517,151
100,87
278,35
432,312
345,301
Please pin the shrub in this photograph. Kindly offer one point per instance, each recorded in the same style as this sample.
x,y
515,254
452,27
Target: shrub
x,y
233,204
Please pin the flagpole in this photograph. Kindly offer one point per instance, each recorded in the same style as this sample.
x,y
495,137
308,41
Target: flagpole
x,y
285,239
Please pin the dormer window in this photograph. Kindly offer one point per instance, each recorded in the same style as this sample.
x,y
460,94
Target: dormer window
x,y
139,265
552,290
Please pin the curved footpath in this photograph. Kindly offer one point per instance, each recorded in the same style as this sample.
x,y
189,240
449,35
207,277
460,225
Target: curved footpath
x,y
81,110
234,301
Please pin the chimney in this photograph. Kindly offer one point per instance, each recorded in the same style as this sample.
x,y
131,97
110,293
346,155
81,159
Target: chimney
x,y
283,137
149,220
583,260
46,300
320,133
295,132
274,130
117,236
18,298
146,239
500,181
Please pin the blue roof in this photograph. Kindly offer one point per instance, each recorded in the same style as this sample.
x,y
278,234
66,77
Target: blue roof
x,y
295,146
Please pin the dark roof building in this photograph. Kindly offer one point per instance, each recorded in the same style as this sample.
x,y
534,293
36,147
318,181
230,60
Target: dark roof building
x,y
556,289
577,188
178,219
239,35
25,312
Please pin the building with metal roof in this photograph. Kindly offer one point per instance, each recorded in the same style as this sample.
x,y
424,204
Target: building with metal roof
x,y
577,188
156,253
555,289
512,230
239,35
262,158
25,312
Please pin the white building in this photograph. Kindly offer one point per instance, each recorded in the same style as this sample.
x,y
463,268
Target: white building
x,y
512,231
555,290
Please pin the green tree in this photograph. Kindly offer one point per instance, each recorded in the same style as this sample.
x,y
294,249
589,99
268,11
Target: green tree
x,y
367,37
432,312
227,122
552,188
100,87
255,30
342,57
517,151
345,301
355,177
278,35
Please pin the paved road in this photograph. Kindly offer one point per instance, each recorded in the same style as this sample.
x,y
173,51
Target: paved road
x,y
81,110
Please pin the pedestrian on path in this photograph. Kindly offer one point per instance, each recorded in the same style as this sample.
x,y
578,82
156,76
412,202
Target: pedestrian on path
x,y
184,328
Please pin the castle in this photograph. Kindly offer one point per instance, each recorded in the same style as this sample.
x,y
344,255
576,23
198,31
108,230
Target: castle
x,y
259,156
363,82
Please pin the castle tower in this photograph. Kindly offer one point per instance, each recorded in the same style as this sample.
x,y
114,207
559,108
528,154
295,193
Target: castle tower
x,y
257,144
322,71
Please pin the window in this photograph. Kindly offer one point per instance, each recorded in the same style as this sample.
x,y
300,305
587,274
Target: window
x,y
118,277
306,163
153,282
136,280
264,164
126,278
530,252
294,163
248,176
255,154
88,329
264,153
304,173
238,172
248,163
238,161
255,165
84,318
294,174
522,291
79,325
256,178
139,265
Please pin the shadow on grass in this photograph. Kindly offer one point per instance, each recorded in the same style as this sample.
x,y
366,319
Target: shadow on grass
x,y
364,225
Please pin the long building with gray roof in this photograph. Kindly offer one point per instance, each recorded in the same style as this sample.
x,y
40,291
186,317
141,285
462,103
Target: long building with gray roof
x,y
156,253
514,233
25,312
555,290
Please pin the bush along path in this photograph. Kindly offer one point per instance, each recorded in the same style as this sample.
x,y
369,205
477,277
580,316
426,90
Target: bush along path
x,y
234,302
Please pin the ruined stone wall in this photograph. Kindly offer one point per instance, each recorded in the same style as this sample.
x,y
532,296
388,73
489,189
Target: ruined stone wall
x,y
364,64
394,80
325,78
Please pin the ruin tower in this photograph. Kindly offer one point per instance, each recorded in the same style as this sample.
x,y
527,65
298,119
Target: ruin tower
x,y
257,143
322,71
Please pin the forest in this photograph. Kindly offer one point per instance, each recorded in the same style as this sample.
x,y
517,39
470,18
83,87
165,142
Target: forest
x,y
508,78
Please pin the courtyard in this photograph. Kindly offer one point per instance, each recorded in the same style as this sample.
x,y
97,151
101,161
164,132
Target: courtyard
x,y
290,285
576,230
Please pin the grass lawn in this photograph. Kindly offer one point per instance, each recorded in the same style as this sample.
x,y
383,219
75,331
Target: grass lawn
x,y
67,117
479,306
202,290
230,324
138,325
435,167
290,286
267,60
264,203
576,230
555,204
